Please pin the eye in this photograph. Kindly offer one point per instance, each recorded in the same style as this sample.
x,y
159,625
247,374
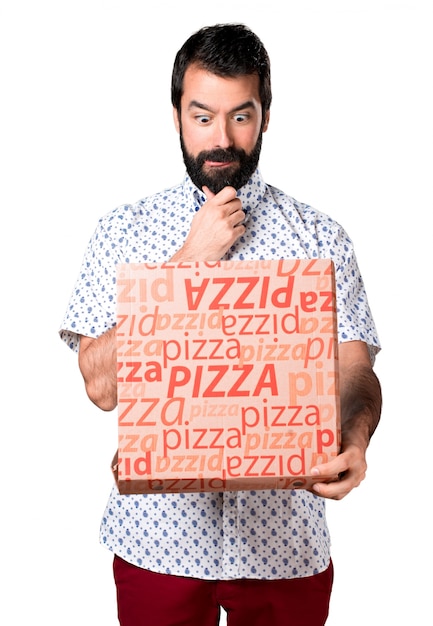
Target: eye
x,y
202,119
241,117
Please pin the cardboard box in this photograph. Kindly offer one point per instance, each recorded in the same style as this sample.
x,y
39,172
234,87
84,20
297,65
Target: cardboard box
x,y
227,374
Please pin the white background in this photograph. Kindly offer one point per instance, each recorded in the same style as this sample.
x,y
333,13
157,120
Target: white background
x,y
85,126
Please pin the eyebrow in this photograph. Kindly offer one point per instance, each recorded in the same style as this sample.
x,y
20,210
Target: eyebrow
x,y
194,104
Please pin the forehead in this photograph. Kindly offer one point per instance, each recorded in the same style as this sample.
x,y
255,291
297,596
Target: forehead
x,y
209,89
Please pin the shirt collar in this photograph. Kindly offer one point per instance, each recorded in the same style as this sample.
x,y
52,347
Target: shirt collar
x,y
250,194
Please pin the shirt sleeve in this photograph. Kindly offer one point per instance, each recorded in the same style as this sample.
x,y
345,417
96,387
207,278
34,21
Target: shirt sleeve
x,y
355,321
92,306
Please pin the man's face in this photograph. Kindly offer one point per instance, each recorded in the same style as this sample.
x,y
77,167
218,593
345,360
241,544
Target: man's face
x,y
220,128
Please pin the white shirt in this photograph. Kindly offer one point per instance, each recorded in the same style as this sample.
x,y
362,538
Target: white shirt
x,y
237,534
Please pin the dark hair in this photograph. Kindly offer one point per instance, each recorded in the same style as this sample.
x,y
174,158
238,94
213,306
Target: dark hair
x,y
227,50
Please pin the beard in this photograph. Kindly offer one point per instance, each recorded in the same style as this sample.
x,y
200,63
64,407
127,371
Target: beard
x,y
235,175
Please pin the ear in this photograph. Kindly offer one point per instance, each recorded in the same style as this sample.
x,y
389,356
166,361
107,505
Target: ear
x,y
266,121
176,119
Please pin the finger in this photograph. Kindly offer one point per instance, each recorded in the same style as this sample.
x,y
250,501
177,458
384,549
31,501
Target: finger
x,y
237,218
332,491
223,197
208,193
333,468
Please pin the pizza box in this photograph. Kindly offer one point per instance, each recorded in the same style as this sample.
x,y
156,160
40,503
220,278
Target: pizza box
x,y
227,375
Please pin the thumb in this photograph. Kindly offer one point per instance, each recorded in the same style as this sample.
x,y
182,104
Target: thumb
x,y
208,193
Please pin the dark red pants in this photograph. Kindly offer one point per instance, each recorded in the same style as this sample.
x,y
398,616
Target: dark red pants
x,y
148,599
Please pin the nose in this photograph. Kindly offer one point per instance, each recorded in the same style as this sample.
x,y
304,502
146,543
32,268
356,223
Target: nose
x,y
222,137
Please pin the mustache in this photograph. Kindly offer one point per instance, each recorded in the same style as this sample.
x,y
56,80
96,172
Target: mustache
x,y
221,155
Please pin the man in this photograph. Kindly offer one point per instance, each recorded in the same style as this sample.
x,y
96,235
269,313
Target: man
x,y
263,556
